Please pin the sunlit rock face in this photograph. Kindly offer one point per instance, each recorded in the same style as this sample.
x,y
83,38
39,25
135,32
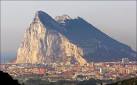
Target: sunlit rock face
x,y
42,43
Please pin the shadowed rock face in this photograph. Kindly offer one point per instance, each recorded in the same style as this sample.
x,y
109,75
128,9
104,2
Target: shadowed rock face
x,y
64,40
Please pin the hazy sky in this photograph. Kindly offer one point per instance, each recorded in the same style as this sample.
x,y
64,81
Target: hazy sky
x,y
115,18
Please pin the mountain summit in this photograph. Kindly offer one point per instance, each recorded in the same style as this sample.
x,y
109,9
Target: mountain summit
x,y
62,19
69,41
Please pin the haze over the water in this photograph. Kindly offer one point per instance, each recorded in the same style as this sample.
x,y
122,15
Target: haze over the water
x,y
115,18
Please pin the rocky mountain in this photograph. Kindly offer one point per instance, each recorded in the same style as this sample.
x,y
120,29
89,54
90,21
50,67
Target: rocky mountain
x,y
66,40
43,43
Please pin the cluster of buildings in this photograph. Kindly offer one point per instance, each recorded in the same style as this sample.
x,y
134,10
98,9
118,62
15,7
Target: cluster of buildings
x,y
54,72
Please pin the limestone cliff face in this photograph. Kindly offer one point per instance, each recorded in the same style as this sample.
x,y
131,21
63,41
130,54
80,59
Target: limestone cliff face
x,y
42,43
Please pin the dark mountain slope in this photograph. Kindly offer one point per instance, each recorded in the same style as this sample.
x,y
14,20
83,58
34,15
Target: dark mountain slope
x,y
97,45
